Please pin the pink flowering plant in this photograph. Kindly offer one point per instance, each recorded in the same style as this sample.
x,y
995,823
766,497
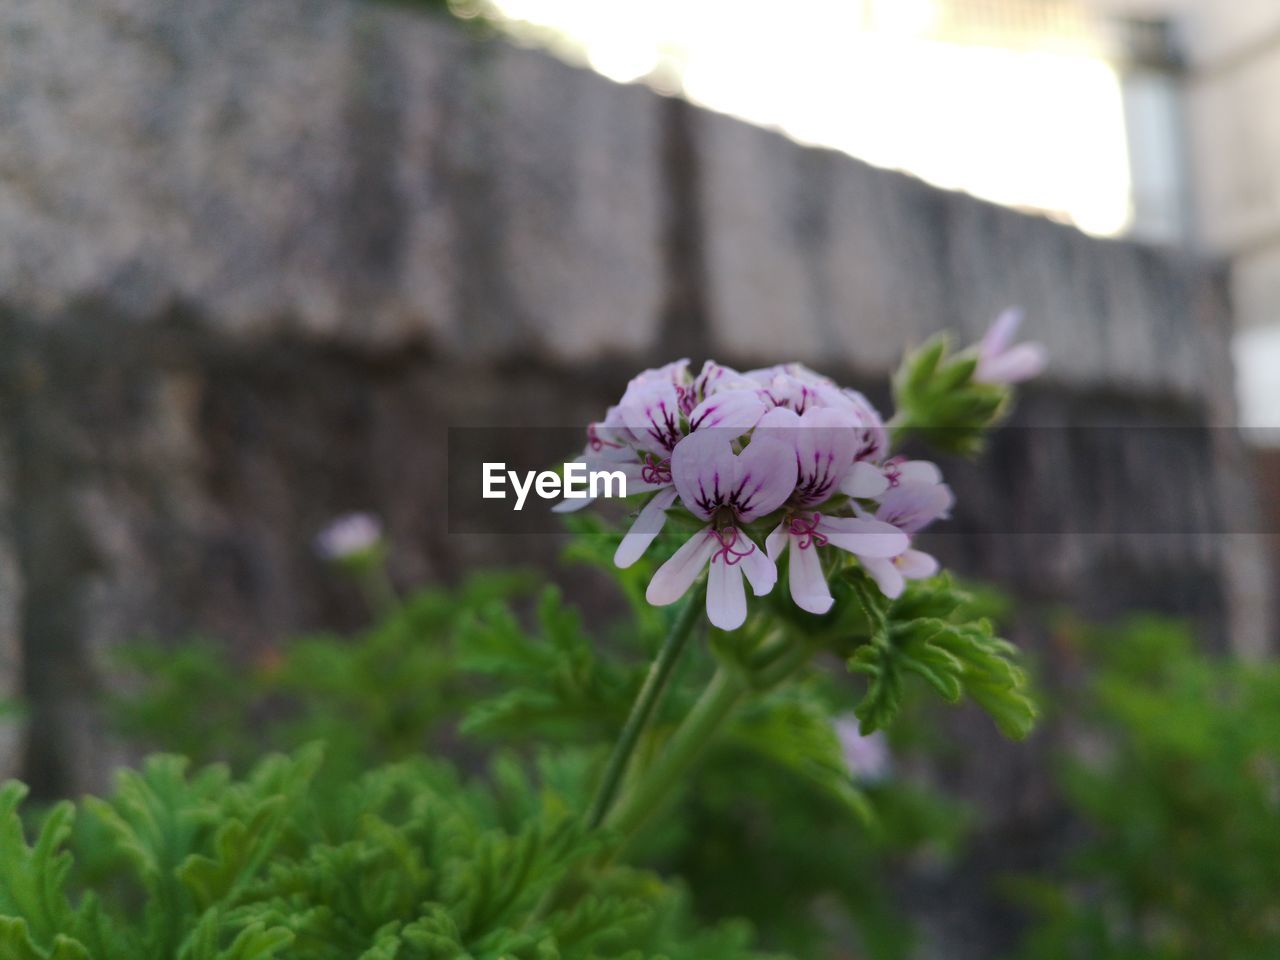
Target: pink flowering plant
x,y
780,508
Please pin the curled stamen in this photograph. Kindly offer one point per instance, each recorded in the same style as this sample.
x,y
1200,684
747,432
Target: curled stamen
x,y
728,539
686,399
893,470
807,530
656,471
596,442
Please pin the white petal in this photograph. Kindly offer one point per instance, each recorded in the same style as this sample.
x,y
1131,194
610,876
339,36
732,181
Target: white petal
x,y
675,576
574,505
1001,333
647,526
918,473
779,418
766,475
916,565
760,570
808,586
1024,361
912,508
886,576
726,599
864,538
776,542
864,480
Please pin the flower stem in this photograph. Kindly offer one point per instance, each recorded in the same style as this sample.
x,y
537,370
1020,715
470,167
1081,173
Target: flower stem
x,y
642,710
682,750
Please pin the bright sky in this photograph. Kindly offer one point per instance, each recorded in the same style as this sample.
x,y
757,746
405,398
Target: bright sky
x,y
1039,129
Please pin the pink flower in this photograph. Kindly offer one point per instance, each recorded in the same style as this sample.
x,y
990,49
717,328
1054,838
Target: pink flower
x,y
867,757
781,447
349,536
823,442
799,389
1002,361
728,490
919,498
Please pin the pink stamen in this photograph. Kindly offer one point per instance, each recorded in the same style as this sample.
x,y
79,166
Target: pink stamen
x,y
685,398
655,471
596,442
728,541
892,472
807,531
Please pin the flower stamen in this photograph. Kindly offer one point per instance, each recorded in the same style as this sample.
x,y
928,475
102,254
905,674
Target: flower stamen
x,y
729,551
807,530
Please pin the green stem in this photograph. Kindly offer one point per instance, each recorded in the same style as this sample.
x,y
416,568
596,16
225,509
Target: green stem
x,y
642,710
379,592
682,750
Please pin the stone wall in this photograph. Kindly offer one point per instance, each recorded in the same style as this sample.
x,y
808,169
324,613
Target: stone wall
x,y
260,256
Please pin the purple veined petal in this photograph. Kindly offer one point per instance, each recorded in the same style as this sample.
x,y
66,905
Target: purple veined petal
x,y
647,526
1001,333
776,542
825,443
1023,361
862,537
765,477
808,585
916,564
887,577
911,508
715,378
726,598
759,569
703,468
734,411
673,579
864,480
650,410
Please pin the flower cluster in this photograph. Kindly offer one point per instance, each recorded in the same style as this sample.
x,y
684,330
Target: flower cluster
x,y
766,462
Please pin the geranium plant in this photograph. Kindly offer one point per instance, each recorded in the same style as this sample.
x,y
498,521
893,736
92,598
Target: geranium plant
x,y
776,480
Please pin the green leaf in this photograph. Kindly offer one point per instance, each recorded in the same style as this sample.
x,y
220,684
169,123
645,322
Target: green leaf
x,y
925,634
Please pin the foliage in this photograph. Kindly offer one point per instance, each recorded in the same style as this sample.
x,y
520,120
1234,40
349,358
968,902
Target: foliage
x,y
377,697
1181,792
927,633
505,664
404,863
938,400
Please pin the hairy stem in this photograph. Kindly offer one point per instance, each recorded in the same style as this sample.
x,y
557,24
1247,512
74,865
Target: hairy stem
x,y
642,709
681,752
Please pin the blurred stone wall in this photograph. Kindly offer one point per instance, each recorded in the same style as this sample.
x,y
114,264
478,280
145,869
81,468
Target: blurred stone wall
x,y
259,256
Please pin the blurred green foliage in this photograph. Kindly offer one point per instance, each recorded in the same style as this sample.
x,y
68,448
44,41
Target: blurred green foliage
x,y
502,663
1177,778
1175,782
